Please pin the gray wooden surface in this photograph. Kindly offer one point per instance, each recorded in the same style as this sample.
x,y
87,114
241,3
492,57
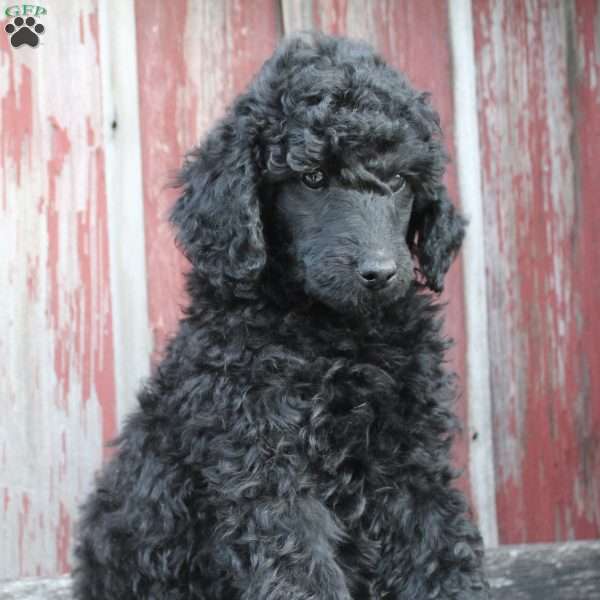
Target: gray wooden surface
x,y
36,589
569,571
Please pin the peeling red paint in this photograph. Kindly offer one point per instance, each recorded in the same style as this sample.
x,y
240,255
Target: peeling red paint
x,y
83,300
33,272
93,25
16,109
161,154
62,465
81,29
59,268
542,393
22,527
331,16
170,118
248,51
103,360
51,491
89,131
89,306
63,540
92,303
586,100
61,147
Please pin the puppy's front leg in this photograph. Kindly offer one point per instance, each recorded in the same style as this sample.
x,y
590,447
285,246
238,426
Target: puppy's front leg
x,y
281,548
274,539
430,548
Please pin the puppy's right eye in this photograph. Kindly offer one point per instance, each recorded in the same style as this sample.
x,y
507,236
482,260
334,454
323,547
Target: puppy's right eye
x,y
314,180
398,183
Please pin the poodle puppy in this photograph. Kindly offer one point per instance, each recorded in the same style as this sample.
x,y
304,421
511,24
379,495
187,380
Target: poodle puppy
x,y
293,444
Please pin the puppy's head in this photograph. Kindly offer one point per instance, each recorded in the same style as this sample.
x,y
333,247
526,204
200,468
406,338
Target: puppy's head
x,y
327,171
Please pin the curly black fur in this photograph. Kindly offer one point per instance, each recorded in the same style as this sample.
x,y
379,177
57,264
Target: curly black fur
x,y
294,442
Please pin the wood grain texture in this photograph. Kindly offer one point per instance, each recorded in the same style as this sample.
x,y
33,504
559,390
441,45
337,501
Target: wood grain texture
x,y
414,38
193,58
57,394
568,571
125,203
58,588
468,159
584,69
537,69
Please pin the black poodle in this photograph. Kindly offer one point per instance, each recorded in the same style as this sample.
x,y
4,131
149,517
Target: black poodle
x,y
293,444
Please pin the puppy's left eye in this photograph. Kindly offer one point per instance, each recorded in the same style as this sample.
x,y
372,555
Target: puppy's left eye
x,y
314,180
398,183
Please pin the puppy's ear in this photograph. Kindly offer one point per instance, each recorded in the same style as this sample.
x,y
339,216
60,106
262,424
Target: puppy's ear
x,y
436,231
217,218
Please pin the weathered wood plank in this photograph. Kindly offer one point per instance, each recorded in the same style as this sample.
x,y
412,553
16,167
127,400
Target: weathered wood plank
x,y
537,63
57,385
568,571
193,58
468,159
122,148
584,76
58,588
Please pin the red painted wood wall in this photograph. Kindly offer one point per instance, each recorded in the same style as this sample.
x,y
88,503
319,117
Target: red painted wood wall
x,y
537,78
537,73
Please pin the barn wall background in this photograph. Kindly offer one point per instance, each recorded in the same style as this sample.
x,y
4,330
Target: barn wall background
x,y
95,121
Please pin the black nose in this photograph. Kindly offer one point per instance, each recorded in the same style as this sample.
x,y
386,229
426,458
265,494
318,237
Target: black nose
x,y
377,273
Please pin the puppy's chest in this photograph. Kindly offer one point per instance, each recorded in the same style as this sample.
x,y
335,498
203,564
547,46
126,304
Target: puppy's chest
x,y
356,432
349,421
357,421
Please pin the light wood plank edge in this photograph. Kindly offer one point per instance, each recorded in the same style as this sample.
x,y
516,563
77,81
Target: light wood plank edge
x,y
481,450
122,143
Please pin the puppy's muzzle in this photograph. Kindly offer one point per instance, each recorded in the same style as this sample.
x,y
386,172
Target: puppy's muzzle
x,y
377,273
